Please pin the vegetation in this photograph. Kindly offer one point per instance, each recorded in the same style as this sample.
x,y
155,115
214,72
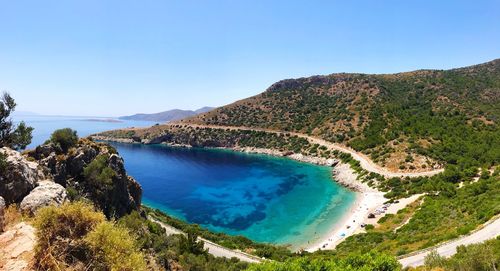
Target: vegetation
x,y
408,122
75,236
401,120
481,257
440,217
174,251
99,180
15,137
65,138
355,262
113,248
233,242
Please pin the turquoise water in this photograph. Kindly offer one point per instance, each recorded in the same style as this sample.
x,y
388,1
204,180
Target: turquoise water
x,y
265,198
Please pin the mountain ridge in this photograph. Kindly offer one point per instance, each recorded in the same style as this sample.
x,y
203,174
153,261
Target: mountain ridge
x,y
169,115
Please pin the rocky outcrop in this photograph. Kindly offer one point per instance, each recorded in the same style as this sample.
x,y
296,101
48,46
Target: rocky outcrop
x,y
20,177
46,193
2,214
116,199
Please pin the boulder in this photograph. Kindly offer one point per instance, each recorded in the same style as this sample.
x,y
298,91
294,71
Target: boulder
x,y
116,199
46,193
2,213
19,178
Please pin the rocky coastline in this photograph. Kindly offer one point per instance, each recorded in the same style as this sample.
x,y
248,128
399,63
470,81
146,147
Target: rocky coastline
x,y
342,173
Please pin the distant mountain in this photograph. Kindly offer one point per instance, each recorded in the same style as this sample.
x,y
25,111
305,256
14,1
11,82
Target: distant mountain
x,y
170,115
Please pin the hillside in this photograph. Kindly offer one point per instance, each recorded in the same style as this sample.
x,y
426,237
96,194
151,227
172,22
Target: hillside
x,y
170,115
408,124
402,121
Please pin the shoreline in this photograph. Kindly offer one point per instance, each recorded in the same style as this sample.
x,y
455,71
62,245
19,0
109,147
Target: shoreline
x,y
367,199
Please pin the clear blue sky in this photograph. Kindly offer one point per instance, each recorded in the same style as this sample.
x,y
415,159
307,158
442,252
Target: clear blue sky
x,y
119,57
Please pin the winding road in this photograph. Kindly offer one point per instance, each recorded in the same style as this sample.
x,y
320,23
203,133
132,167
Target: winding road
x,y
488,231
213,248
365,162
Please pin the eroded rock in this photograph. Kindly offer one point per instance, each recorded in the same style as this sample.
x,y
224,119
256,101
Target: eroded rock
x,y
20,177
46,193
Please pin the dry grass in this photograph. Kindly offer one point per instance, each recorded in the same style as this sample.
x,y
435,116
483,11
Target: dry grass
x,y
12,216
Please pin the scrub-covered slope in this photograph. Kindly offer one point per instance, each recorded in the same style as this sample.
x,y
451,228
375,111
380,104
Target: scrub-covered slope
x,y
404,121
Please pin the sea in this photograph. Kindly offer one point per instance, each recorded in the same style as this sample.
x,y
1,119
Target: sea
x,y
264,198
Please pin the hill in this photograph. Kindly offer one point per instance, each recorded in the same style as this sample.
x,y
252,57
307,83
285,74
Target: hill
x,y
407,123
403,121
170,115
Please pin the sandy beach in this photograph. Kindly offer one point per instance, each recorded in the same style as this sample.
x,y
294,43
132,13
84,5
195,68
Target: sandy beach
x,y
368,200
350,224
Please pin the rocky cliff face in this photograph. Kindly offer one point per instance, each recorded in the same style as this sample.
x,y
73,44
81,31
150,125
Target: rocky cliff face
x,y
20,176
116,199
47,176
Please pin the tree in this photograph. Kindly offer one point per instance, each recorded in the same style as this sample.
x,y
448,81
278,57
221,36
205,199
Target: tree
x,y
12,136
64,138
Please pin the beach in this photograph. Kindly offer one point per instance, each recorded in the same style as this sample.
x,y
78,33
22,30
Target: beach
x,y
368,200
350,224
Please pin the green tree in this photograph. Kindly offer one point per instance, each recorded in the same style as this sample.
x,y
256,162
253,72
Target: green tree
x,y
191,244
65,138
12,136
99,179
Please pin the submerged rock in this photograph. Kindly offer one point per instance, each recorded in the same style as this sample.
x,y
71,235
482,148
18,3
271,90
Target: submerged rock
x,y
46,193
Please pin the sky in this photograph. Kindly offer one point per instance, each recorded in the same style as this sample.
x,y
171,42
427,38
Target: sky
x,y
113,58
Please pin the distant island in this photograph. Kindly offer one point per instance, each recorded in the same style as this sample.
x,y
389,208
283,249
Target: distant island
x,y
103,120
170,115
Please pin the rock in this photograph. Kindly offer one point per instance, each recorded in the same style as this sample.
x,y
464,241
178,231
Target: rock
x,y
46,193
2,213
119,198
20,177
16,247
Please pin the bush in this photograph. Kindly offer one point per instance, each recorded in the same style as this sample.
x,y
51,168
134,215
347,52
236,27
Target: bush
x,y
369,227
65,138
113,248
75,235
99,179
355,262
59,234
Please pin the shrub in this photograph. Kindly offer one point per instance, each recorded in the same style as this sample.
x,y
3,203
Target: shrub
x,y
369,227
76,236
99,180
354,262
113,248
65,138
59,234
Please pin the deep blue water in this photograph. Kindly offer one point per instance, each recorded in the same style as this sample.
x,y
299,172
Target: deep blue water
x,y
267,199
264,198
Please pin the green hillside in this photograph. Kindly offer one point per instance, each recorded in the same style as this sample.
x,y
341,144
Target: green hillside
x,y
404,121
